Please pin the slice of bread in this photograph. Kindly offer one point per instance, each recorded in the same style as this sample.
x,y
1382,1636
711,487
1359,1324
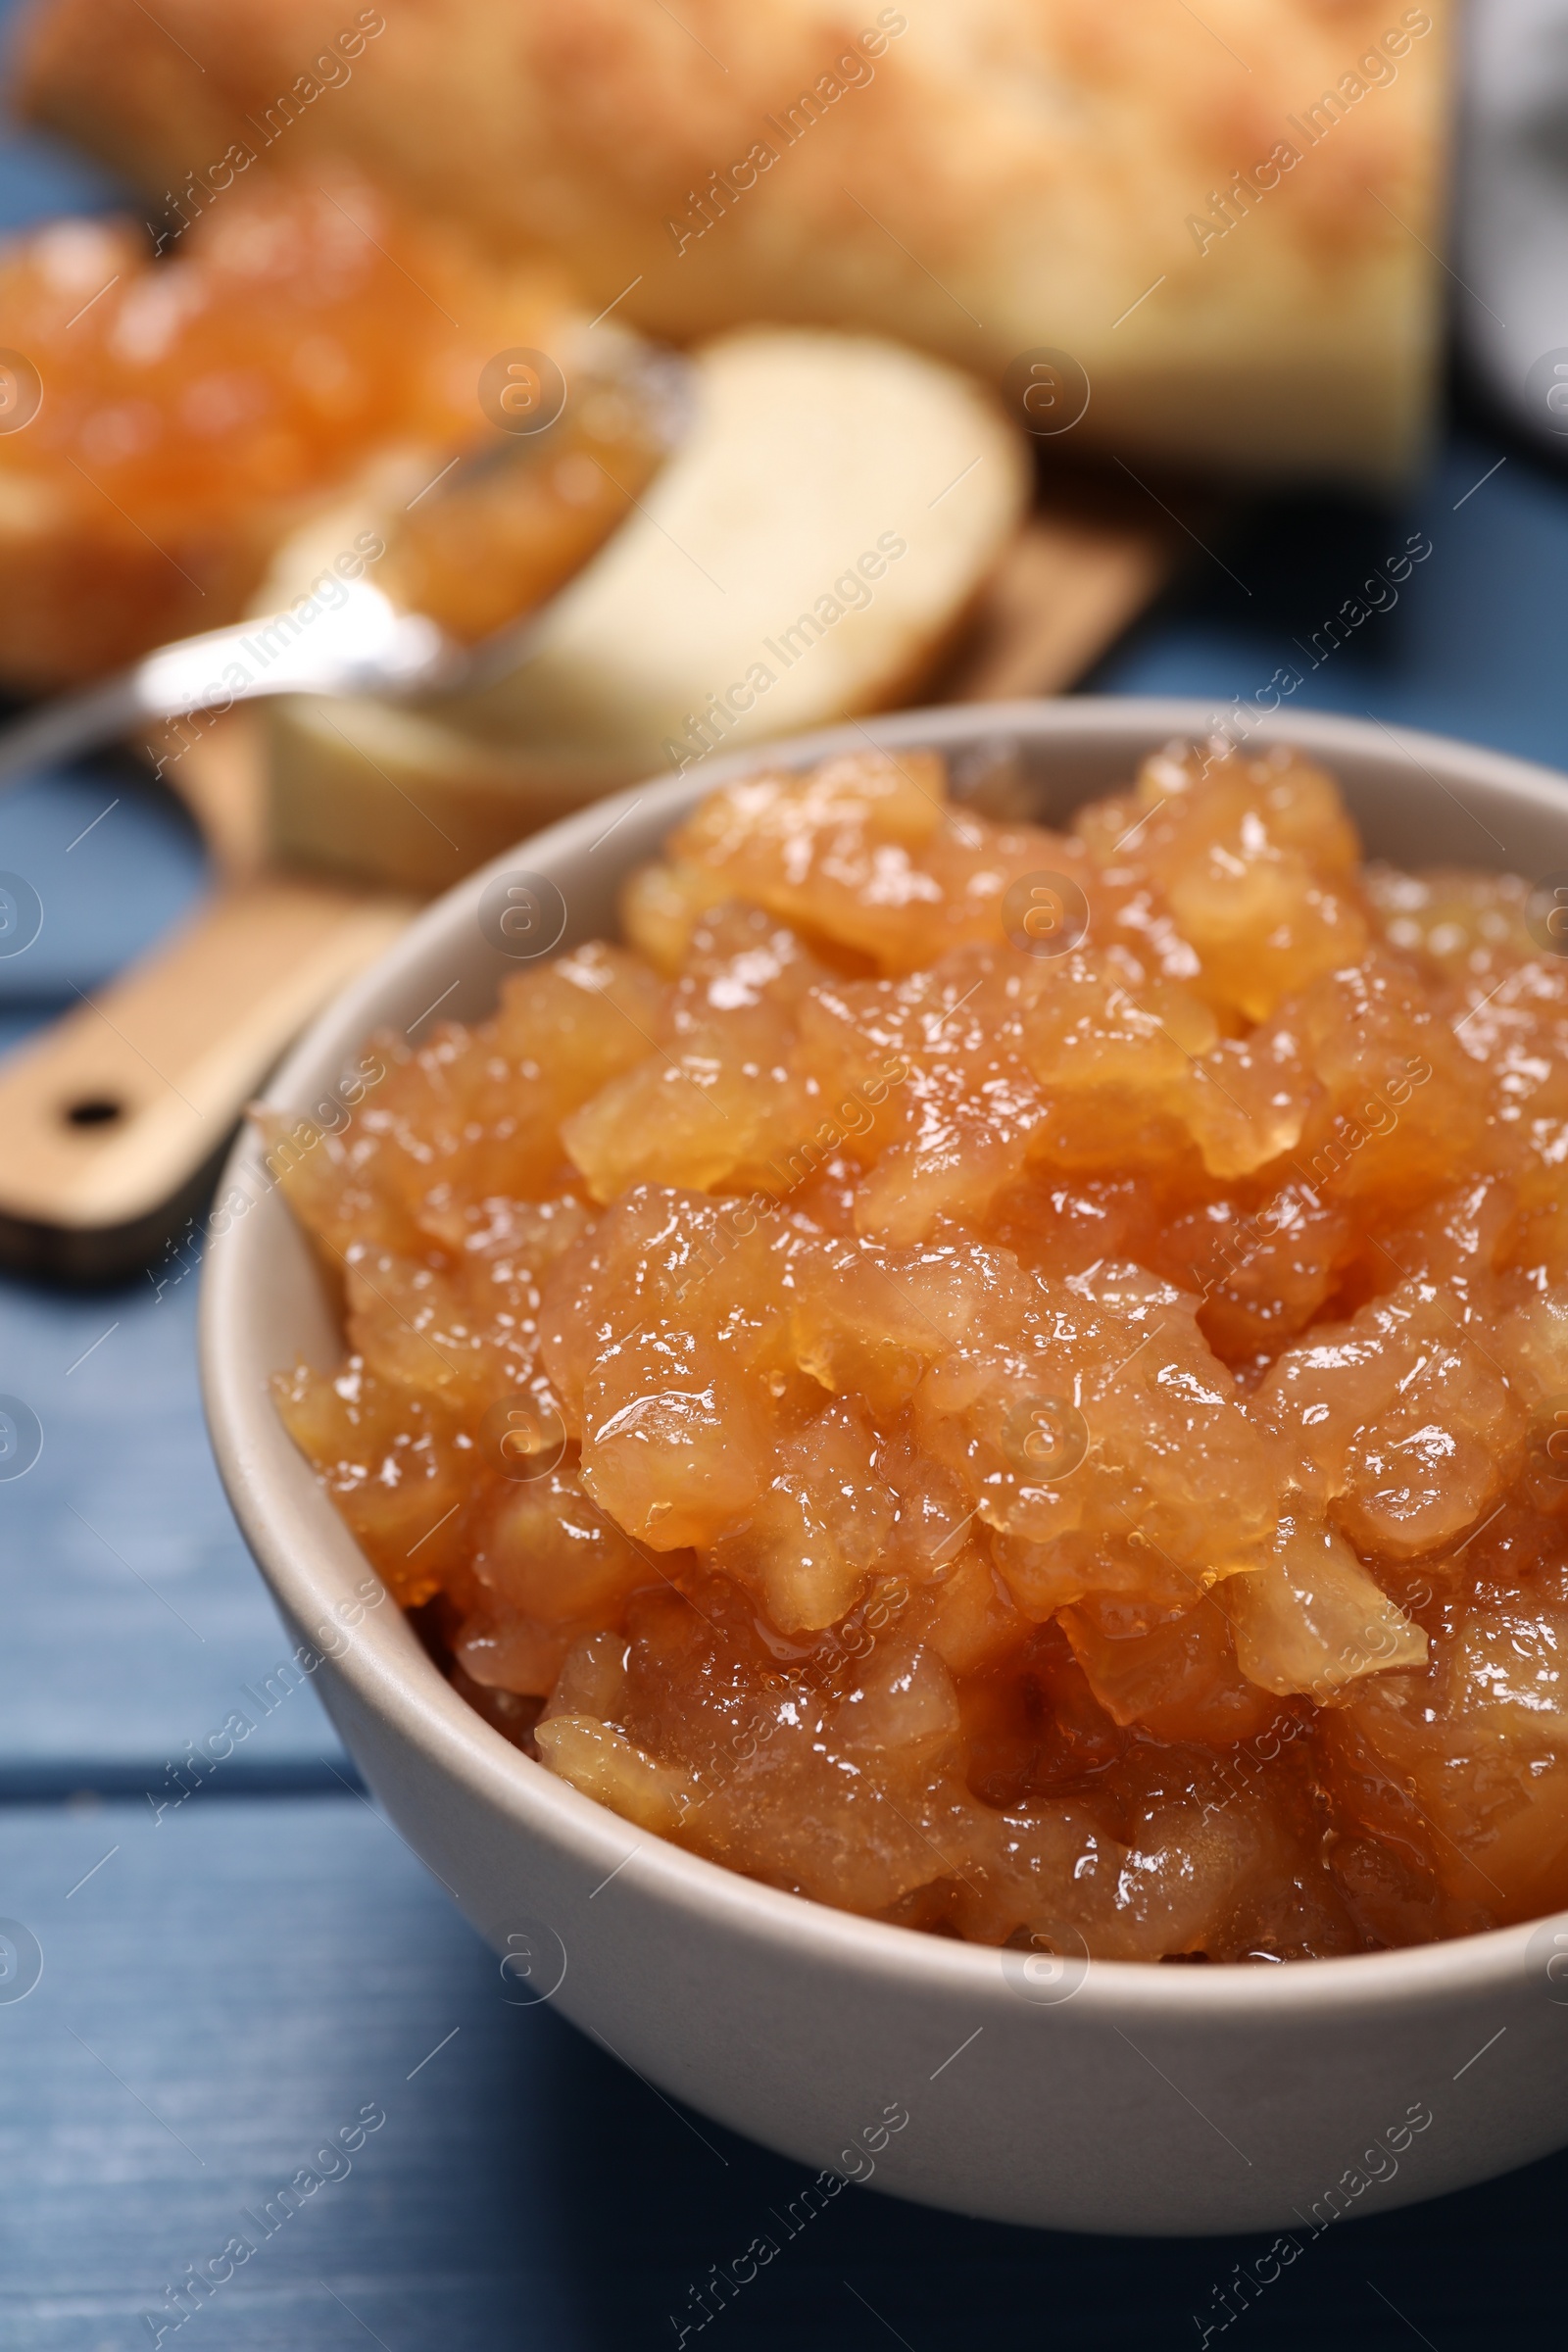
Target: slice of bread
x,y
810,552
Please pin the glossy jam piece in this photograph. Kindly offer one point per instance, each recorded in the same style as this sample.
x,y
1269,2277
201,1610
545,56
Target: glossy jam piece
x,y
525,516
196,405
1035,1432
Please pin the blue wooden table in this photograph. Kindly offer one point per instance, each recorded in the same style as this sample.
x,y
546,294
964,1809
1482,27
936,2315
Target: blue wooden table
x,y
262,1984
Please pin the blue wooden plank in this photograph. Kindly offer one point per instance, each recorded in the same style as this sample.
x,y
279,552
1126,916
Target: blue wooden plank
x,y
1471,647
133,1613
40,176
232,1987
114,863
228,1993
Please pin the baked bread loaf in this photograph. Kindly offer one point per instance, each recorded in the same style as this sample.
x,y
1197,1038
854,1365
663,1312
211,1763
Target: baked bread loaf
x,y
810,552
1226,217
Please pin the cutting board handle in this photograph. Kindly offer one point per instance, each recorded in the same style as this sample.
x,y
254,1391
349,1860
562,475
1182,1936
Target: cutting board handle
x,y
111,1122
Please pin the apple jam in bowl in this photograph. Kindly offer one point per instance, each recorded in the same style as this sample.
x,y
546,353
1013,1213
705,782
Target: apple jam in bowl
x,y
974,1331
1000,1378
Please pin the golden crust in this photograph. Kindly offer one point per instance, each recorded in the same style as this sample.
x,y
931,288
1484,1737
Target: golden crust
x,y
997,177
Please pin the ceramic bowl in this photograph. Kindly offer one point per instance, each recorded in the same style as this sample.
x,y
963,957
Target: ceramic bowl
x,y
1099,2097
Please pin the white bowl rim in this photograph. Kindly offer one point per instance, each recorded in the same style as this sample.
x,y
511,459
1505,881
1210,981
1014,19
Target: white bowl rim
x,y
463,1745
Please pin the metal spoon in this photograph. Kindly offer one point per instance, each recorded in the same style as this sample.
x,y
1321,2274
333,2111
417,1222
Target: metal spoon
x,y
365,646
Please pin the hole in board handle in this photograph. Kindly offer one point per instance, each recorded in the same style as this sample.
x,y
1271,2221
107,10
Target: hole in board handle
x,y
93,1110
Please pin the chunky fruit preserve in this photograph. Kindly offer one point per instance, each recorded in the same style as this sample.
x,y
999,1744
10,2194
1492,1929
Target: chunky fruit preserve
x,y
1013,1382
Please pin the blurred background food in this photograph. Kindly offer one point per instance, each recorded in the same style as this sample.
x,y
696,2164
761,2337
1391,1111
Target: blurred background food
x,y
1155,237
195,405
1264,178
785,362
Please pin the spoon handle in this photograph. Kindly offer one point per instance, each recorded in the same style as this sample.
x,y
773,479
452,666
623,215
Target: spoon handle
x,y
364,646
60,729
